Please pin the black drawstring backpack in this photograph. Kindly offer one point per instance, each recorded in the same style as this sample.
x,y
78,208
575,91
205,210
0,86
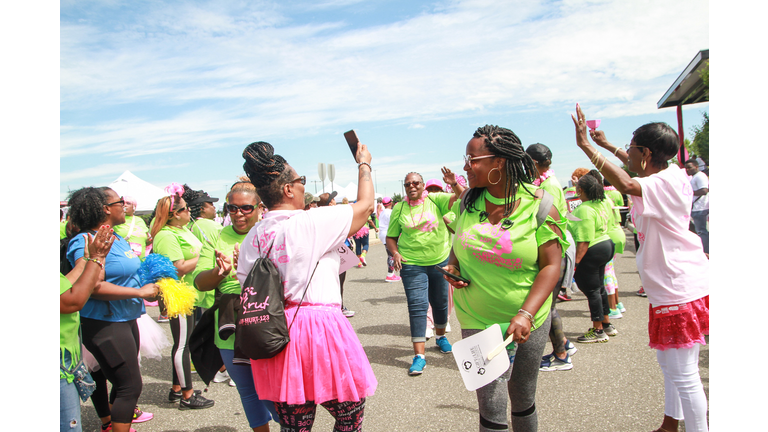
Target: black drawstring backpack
x,y
261,330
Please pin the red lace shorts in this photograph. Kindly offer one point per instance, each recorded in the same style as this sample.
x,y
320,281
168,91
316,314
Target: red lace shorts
x,y
678,326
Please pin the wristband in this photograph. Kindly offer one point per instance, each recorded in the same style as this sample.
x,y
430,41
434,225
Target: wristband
x,y
365,163
96,260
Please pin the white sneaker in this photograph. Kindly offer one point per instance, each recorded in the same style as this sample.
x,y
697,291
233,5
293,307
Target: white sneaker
x,y
232,383
448,328
221,377
430,333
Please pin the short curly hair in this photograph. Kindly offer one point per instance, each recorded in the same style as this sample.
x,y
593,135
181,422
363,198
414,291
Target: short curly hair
x,y
86,207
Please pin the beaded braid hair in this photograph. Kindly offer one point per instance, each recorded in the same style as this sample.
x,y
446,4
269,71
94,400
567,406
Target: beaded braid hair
x,y
189,196
267,171
518,165
592,187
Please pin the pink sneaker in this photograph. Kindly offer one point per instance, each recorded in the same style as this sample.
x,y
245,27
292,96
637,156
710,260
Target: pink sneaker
x,y
140,416
393,278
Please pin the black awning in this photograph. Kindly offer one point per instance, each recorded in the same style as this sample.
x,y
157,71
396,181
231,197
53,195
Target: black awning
x,y
688,88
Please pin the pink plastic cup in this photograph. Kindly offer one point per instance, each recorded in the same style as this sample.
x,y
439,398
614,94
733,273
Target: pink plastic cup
x,y
593,124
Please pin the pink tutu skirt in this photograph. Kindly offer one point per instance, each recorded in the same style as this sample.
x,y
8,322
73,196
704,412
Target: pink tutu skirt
x,y
323,361
678,326
362,232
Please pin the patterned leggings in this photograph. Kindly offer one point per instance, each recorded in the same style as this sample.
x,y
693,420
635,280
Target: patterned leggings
x,y
300,418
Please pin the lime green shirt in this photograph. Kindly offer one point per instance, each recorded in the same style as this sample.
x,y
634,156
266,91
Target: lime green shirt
x,y
62,229
178,243
615,231
139,234
225,243
595,220
500,264
423,238
69,340
206,228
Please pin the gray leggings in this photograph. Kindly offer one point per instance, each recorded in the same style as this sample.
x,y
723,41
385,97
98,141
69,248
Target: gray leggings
x,y
520,383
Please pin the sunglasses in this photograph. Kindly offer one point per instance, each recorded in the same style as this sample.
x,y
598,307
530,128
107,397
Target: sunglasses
x,y
302,180
246,209
121,202
469,159
629,146
413,183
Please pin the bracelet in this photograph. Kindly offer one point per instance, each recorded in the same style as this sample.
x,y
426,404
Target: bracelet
x,y
365,163
616,152
594,158
602,164
96,260
528,315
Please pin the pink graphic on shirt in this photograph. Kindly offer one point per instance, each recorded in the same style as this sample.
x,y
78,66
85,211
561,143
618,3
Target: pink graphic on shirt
x,y
278,254
687,189
425,222
499,243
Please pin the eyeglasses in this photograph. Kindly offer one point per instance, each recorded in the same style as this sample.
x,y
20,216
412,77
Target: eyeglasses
x,y
469,159
413,183
246,209
302,180
629,146
121,202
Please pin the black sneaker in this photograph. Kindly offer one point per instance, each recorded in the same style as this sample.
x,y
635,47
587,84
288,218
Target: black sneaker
x,y
176,396
195,402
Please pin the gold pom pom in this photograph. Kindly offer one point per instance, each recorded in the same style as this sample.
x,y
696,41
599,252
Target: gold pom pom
x,y
179,297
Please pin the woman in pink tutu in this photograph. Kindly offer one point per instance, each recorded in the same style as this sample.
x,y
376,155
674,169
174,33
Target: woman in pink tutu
x,y
673,267
324,363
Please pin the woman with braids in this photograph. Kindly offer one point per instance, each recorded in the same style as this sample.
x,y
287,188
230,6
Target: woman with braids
x,y
594,249
303,245
562,348
108,319
616,233
418,240
176,242
509,286
216,270
673,267
134,230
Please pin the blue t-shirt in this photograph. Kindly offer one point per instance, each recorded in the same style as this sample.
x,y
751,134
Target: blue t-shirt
x,y
121,269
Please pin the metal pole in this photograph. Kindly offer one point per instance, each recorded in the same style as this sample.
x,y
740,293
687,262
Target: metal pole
x,y
682,153
315,182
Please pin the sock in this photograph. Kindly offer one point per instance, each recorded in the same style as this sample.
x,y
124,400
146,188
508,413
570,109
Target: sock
x,y
422,356
105,426
598,331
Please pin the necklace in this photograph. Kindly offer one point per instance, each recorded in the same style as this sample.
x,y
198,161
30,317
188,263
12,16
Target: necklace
x,y
547,174
421,215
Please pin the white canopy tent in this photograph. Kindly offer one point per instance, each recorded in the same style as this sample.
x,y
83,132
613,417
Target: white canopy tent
x,y
145,193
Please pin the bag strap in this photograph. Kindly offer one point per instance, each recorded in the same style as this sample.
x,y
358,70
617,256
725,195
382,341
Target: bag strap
x,y
302,297
544,207
133,224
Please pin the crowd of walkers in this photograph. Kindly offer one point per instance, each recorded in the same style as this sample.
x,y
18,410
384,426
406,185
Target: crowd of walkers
x,y
502,245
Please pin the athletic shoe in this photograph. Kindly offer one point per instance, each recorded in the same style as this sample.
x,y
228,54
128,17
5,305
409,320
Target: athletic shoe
x,y
620,307
417,368
444,345
347,313
360,265
448,328
163,318
140,416
108,428
610,330
221,376
593,336
430,333
563,296
176,396
232,383
614,313
192,367
553,363
195,402
362,260
570,348
393,278
641,292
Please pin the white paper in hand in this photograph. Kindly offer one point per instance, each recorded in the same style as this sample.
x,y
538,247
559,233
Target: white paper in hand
x,y
471,356
347,258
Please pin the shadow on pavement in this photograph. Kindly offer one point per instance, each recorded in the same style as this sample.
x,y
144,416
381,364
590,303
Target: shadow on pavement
x,y
387,300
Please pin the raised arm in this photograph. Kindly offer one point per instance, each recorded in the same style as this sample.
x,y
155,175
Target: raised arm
x,y
365,202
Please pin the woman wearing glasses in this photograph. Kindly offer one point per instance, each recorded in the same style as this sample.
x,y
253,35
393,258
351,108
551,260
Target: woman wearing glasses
x,y
175,241
324,362
418,240
673,267
108,319
216,268
509,286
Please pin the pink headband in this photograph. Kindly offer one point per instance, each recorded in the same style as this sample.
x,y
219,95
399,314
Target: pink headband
x,y
174,189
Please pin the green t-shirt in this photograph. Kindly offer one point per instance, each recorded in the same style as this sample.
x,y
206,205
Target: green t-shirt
x,y
62,229
139,234
423,237
615,231
225,243
179,243
69,339
203,228
595,220
501,264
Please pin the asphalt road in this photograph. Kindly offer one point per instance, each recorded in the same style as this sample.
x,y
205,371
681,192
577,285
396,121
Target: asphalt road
x,y
615,386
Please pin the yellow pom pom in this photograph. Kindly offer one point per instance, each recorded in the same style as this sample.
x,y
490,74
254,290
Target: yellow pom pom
x,y
179,297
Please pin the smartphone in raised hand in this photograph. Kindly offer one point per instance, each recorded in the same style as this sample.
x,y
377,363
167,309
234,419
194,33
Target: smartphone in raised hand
x,y
352,141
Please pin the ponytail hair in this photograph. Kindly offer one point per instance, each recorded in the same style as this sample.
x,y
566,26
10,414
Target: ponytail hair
x,y
163,211
267,171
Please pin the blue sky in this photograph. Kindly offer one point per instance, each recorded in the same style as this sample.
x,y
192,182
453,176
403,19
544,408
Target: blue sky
x,y
174,91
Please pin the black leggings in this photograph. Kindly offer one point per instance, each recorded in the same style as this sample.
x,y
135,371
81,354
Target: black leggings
x,y
115,346
556,334
181,329
590,274
348,415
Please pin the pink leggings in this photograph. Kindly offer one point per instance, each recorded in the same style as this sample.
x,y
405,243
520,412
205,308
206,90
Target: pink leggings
x,y
684,396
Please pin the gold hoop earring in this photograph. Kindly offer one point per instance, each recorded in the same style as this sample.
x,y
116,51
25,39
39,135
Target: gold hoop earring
x,y
489,176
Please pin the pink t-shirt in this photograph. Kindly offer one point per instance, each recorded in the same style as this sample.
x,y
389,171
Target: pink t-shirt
x,y
671,261
299,240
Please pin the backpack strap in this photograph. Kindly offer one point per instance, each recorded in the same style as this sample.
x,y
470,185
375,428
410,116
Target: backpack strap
x,y
544,207
463,202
